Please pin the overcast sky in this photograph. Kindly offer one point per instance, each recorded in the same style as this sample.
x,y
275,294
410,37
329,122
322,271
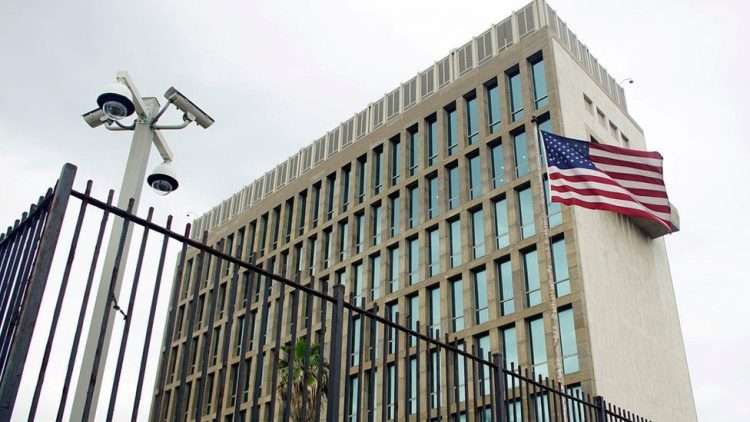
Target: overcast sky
x,y
277,75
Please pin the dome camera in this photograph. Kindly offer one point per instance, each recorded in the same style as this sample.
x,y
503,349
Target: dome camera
x,y
116,101
163,179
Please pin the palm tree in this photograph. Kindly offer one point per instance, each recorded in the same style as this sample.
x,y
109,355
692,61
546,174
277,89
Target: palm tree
x,y
312,379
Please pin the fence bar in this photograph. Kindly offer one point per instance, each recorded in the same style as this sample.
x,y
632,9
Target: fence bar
x,y
161,380
6,279
601,409
500,387
276,348
308,350
105,317
58,307
128,320
82,313
150,324
419,384
38,280
321,339
291,357
254,412
347,356
337,319
384,369
244,369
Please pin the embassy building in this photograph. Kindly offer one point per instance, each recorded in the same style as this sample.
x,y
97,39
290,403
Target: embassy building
x,y
429,204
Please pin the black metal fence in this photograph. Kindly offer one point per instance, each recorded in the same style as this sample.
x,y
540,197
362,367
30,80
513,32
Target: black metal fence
x,y
315,353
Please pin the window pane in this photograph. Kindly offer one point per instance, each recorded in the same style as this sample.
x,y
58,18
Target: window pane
x,y
452,131
433,267
477,226
395,161
411,404
375,277
361,177
483,350
377,171
526,206
395,224
414,206
434,297
538,347
345,180
493,108
358,283
568,345
505,278
413,261
501,223
457,308
560,267
413,317
433,203
521,151
475,177
498,166
554,210
540,84
432,145
531,277
453,187
472,121
415,148
455,242
360,235
377,224
516,98
393,272
480,294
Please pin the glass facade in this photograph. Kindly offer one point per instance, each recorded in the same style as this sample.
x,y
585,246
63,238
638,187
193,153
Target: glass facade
x,y
568,344
481,302
493,107
502,228
475,177
498,165
515,95
531,278
415,151
540,83
455,242
433,239
526,212
457,304
477,232
505,287
560,267
537,347
453,187
451,131
472,120
521,154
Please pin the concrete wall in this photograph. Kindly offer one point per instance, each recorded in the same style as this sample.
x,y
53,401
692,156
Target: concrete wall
x,y
637,350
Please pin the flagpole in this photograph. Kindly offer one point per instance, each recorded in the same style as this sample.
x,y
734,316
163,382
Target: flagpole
x,y
547,254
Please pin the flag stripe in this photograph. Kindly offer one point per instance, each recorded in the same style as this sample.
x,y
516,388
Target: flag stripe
x,y
624,203
623,163
656,200
658,162
607,168
608,207
660,206
625,151
581,175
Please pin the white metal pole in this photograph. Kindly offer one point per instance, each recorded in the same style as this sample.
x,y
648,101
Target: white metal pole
x,y
547,254
132,186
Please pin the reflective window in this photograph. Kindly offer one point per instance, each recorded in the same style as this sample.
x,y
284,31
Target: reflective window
x,y
526,210
509,344
432,142
452,130
540,83
395,223
315,208
327,245
377,170
413,317
343,240
502,229
457,304
433,202
345,182
516,97
537,347
459,374
377,224
554,210
505,282
375,277
453,187
434,381
359,220
531,278
568,345
493,107
498,165
433,238
560,267
415,151
521,151
455,242
472,120
394,259
433,295
395,160
482,310
390,403
356,341
475,177
413,260
358,283
543,124
353,399
477,233
412,386
414,206
483,350
330,187
361,178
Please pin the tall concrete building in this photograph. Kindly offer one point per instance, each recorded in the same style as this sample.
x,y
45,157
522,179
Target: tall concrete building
x,y
429,203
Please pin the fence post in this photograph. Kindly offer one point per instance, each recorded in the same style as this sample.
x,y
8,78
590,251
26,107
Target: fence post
x,y
37,283
499,398
601,409
335,353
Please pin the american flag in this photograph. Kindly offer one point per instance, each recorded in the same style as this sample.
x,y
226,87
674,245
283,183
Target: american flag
x,y
606,177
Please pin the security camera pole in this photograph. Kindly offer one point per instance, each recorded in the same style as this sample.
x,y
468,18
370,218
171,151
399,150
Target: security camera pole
x,y
145,132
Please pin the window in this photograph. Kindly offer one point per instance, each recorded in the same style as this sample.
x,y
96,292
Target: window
x,y
301,209
477,232
455,242
315,210
457,304
361,178
353,399
433,203
434,383
346,173
544,123
390,399
377,170
493,106
459,374
560,267
472,119
395,160
602,118
502,229
377,225
331,183
343,240
262,238
413,260
516,97
526,210
576,410
433,239
521,151
588,103
625,139
451,129
453,187
537,346
482,310
539,81
432,142
433,294
498,165
394,275
531,278
375,277
509,345
483,350
238,335
475,177
412,387
359,220
356,341
326,248
414,206
392,313
415,150
275,223
568,345
395,223
505,284
413,317
613,129
357,283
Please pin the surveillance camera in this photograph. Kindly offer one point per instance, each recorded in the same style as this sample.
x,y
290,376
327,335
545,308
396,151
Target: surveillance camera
x,y
116,102
95,117
163,178
192,111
